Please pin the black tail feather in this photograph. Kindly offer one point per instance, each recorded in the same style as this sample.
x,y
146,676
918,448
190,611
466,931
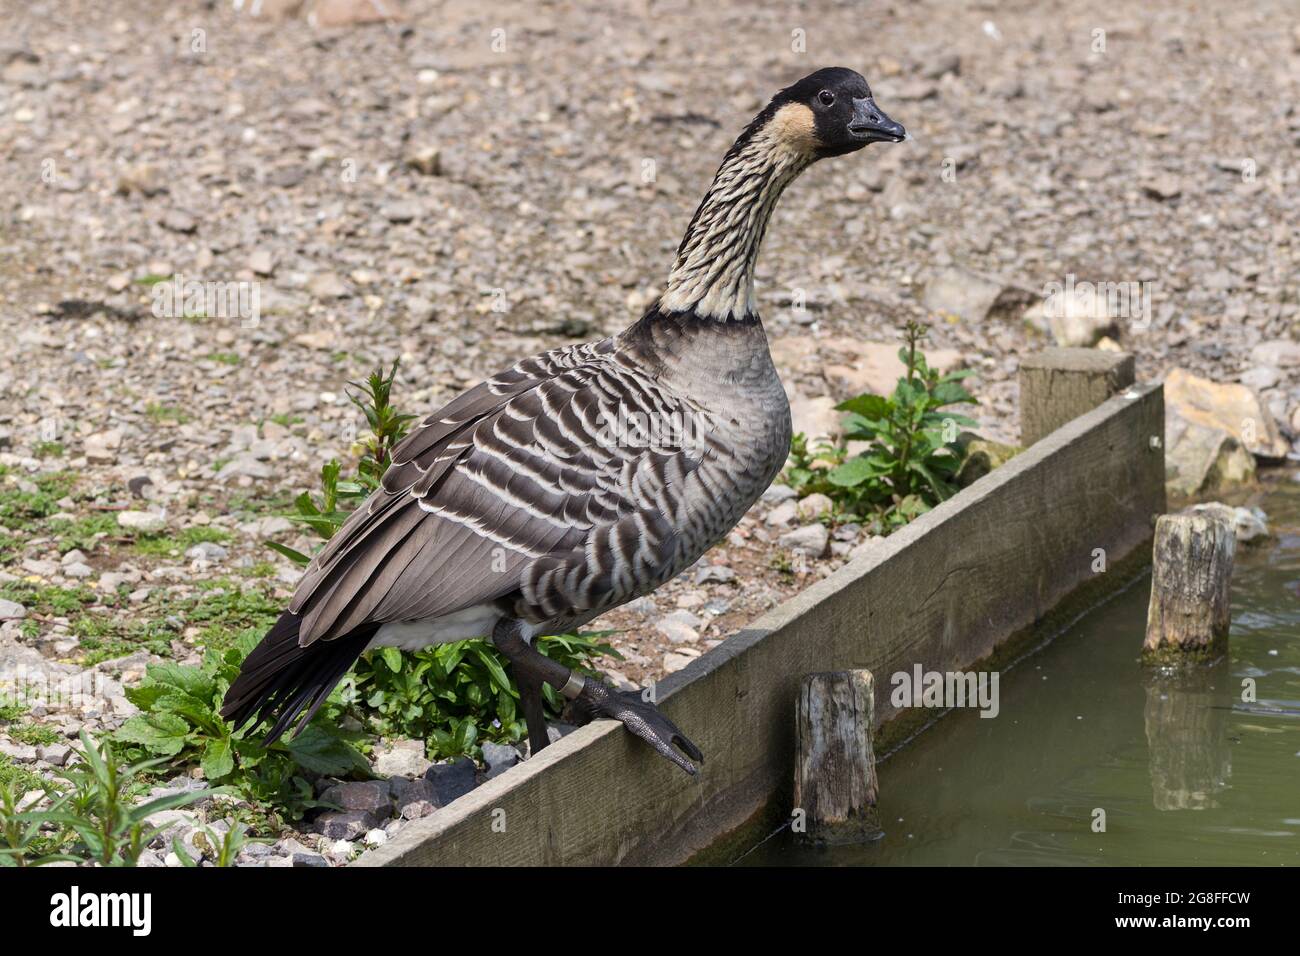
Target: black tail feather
x,y
280,678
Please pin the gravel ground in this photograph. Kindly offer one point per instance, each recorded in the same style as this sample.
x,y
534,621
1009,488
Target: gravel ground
x,y
471,185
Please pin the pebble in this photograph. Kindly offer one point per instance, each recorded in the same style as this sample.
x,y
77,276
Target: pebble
x,y
714,574
207,551
147,522
784,514
680,627
813,540
11,610
401,758
451,780
499,758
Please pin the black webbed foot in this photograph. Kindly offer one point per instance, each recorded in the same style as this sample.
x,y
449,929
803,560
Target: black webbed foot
x,y
642,718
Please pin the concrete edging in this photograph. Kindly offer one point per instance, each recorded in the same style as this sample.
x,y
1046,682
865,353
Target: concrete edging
x,y
953,589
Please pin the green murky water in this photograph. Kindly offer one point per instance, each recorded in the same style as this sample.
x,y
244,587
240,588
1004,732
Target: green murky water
x,y
1187,773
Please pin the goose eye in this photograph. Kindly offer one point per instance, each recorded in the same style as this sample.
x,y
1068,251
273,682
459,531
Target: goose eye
x,y
826,97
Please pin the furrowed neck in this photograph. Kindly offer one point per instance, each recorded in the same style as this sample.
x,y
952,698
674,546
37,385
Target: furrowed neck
x,y
713,274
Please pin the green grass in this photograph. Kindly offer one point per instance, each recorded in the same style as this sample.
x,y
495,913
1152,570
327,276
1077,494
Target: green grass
x,y
286,420
225,611
81,532
160,413
19,778
11,709
17,506
47,599
103,638
163,545
48,449
34,735
262,569
224,358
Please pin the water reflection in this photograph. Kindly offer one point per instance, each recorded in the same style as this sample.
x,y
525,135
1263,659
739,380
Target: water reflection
x,y
1187,716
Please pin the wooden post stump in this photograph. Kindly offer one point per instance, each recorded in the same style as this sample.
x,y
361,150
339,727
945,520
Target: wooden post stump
x,y
835,764
1059,385
1192,569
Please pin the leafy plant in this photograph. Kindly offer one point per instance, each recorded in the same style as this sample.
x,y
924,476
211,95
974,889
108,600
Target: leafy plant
x,y
97,817
457,695
224,850
180,724
21,841
386,426
912,452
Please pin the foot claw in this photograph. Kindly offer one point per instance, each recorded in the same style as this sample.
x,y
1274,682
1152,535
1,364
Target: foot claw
x,y
644,720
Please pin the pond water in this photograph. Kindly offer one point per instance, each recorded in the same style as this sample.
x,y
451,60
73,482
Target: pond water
x,y
1187,773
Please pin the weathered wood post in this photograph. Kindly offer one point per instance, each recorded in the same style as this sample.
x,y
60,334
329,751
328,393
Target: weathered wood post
x,y
1192,569
835,764
1059,385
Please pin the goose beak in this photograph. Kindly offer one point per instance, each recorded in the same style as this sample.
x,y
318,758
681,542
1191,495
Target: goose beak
x,y
871,125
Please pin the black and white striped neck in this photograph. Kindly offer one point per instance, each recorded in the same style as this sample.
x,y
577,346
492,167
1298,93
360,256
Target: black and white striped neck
x,y
713,274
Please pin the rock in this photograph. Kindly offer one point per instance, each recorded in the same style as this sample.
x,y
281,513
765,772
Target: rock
x,y
1261,377
426,160
973,296
1201,460
207,551
177,220
981,456
21,753
1282,353
404,210
40,568
814,506
147,179
404,758
245,466
78,569
1163,186
372,796
376,837
499,758
680,627
1234,409
146,522
676,660
451,780
327,285
11,610
346,13
262,261
347,824
784,514
813,540
415,798
775,494
714,574
308,858
103,446
1250,524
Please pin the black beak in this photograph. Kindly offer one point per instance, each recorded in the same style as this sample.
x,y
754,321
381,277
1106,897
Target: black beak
x,y
871,125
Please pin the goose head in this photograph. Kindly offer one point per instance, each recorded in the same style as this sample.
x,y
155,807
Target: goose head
x,y
831,112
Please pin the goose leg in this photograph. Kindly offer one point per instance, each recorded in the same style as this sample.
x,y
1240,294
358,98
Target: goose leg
x,y
533,705
641,717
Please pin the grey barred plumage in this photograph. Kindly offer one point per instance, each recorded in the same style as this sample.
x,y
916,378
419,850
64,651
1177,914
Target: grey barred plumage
x,y
581,478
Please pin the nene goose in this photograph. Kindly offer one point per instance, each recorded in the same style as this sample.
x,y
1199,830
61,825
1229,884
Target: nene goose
x,y
581,478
